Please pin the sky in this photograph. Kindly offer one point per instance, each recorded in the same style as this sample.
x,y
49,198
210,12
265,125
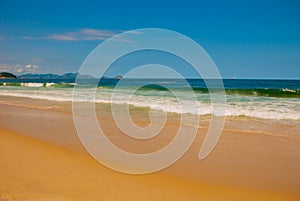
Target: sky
x,y
245,39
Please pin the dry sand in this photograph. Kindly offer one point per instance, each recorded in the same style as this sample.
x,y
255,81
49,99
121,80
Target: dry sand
x,y
41,159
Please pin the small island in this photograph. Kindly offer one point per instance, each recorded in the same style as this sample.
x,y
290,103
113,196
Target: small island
x,y
6,75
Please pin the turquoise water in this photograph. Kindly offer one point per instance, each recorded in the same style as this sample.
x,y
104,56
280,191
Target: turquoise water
x,y
268,99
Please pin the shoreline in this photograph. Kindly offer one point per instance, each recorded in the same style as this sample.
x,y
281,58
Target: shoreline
x,y
244,163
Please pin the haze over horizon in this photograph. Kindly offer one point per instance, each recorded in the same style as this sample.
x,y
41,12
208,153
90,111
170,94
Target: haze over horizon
x,y
248,39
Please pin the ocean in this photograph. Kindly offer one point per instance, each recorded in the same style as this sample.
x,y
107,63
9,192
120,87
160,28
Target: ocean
x,y
265,99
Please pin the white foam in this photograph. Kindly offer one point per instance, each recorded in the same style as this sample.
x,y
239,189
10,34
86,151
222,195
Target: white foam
x,y
289,90
49,84
266,108
32,84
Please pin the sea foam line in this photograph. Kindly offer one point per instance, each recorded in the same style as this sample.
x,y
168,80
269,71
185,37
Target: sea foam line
x,y
282,109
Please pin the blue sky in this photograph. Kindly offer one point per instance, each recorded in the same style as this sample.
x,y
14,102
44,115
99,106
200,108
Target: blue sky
x,y
246,39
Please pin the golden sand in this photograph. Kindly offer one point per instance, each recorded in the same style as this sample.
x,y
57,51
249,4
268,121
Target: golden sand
x,y
38,166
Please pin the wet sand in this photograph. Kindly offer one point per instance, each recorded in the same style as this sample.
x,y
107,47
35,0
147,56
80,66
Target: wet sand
x,y
41,158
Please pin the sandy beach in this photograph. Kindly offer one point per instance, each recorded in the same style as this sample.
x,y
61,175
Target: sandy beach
x,y
149,100
42,158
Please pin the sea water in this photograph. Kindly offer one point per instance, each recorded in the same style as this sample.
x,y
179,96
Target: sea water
x,y
266,99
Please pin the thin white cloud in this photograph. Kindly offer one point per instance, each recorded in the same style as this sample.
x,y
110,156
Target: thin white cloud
x,y
89,35
28,68
61,37
4,67
83,34
20,69
135,32
97,32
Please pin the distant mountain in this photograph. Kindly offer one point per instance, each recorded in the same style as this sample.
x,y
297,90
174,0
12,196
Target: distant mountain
x,y
5,75
39,76
69,76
